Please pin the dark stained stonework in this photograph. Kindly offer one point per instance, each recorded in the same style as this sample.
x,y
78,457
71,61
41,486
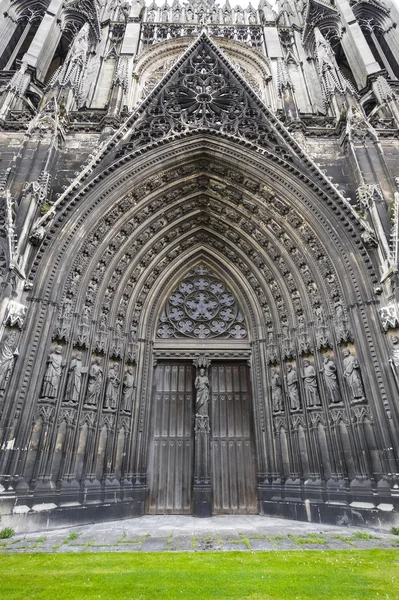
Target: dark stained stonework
x,y
199,260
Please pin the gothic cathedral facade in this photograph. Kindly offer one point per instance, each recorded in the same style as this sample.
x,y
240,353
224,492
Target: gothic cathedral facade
x,y
199,260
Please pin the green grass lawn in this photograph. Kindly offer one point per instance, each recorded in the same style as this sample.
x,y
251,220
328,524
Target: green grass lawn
x,y
332,574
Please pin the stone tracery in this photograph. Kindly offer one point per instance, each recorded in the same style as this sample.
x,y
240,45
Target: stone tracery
x,y
202,306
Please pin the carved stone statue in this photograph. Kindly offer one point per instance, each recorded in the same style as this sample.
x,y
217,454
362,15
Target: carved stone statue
x,y
111,393
394,359
330,377
127,393
74,379
310,384
202,386
64,319
352,375
95,381
277,397
292,385
8,350
53,373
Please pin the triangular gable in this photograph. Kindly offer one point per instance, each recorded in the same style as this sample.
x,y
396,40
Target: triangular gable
x,y
318,13
202,92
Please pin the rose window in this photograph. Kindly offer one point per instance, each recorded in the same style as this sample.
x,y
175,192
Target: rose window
x,y
202,307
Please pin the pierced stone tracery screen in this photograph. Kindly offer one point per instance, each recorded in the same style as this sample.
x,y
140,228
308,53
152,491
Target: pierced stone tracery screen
x,y
201,307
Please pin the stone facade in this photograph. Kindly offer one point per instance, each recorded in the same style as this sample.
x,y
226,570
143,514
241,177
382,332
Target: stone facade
x,y
199,259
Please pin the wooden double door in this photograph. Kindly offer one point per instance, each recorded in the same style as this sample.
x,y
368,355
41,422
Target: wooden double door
x,y
171,441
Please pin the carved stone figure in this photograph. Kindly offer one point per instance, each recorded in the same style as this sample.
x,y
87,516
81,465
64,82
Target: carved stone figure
x,y
352,375
96,377
292,385
127,393
330,377
102,334
53,373
277,396
74,379
202,386
84,327
394,359
8,351
310,384
111,393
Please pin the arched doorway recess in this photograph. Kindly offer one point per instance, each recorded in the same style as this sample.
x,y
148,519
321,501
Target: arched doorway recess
x,y
263,217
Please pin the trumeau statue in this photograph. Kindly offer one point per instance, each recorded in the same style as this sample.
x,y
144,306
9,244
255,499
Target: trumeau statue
x,y
202,386
53,373
352,375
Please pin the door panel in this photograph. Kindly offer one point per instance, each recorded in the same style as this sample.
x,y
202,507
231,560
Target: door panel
x,y
170,464
232,452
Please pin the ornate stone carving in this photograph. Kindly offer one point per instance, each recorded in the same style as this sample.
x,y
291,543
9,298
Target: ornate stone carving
x,y
201,424
310,385
112,390
353,376
201,384
74,383
96,377
52,376
292,387
394,358
83,328
276,391
8,354
127,391
202,307
15,314
330,378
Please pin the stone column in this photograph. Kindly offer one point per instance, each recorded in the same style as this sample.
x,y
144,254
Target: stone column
x,y
202,492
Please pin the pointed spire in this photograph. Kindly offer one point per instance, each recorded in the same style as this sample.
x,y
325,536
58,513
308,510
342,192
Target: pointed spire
x,y
69,75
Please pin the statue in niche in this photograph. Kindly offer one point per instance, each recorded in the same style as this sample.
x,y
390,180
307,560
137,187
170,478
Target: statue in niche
x,y
202,386
394,359
8,351
330,378
102,333
352,375
74,380
65,319
53,373
95,381
111,393
310,384
339,320
84,326
292,385
127,393
277,396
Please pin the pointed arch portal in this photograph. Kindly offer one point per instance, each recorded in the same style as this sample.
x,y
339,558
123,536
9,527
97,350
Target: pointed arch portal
x,y
208,290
